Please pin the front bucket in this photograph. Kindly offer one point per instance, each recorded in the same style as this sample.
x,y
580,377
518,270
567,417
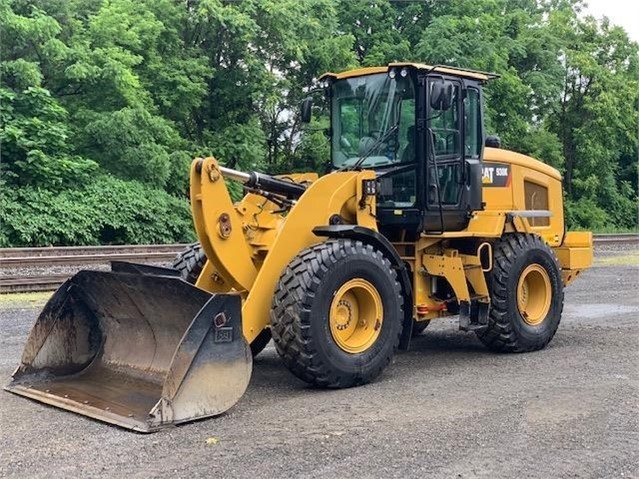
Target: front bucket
x,y
138,350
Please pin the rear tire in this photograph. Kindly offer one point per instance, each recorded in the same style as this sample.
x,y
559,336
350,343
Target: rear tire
x,y
526,293
337,314
190,264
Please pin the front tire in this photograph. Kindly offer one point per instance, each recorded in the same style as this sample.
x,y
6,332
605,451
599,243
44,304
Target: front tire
x,y
526,293
337,314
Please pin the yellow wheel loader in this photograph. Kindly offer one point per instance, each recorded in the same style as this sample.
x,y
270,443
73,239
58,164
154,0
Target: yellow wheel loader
x,y
417,220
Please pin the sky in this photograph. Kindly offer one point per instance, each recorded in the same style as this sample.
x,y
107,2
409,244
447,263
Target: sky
x,y
624,13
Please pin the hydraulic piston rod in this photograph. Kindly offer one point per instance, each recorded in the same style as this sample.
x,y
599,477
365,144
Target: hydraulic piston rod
x,y
265,182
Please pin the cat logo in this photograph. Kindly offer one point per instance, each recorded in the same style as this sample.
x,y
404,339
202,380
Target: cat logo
x,y
495,174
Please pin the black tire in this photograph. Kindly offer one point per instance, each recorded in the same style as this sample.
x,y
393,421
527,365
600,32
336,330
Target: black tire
x,y
261,341
190,264
419,327
509,330
300,316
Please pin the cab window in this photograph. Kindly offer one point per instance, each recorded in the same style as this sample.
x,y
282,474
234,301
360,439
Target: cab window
x,y
472,124
445,127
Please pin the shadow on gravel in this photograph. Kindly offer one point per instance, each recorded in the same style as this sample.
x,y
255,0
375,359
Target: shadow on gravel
x,y
435,343
433,349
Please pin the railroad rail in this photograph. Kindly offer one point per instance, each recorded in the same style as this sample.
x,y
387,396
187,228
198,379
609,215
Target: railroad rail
x,y
68,260
89,250
75,256
25,269
30,284
619,238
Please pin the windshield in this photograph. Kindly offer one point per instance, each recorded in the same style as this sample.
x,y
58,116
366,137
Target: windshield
x,y
373,117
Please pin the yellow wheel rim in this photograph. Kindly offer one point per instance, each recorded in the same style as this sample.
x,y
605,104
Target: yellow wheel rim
x,y
356,316
534,294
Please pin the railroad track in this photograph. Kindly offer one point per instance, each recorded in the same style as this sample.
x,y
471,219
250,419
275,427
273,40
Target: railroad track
x,y
621,238
30,284
24,269
68,251
66,256
68,260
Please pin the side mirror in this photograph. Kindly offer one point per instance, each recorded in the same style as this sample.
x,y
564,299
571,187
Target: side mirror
x,y
493,141
305,112
441,95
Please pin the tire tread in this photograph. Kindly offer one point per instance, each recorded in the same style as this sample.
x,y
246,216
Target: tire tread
x,y
500,335
292,304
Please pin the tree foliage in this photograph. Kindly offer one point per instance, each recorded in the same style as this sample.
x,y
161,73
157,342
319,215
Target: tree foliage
x,y
106,211
121,94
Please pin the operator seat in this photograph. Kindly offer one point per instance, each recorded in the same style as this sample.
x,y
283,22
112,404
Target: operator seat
x,y
409,150
365,147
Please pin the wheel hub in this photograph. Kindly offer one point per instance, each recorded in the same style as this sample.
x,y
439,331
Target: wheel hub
x,y
356,315
344,315
534,294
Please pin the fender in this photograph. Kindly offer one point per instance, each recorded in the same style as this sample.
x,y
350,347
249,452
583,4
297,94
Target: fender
x,y
374,238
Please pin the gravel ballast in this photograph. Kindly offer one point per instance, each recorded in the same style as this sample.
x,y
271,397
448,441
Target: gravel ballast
x,y
447,408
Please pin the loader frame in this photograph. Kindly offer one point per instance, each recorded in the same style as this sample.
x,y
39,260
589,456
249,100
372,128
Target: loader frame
x,y
339,279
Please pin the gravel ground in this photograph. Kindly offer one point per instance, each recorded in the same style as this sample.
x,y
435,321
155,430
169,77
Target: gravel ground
x,y
448,408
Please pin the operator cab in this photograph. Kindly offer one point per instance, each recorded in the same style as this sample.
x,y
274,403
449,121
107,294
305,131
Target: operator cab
x,y
421,129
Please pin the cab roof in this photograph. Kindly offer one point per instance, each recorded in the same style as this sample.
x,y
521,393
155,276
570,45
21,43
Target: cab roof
x,y
460,72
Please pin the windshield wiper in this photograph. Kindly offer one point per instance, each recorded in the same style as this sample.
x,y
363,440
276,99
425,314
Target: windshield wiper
x,y
398,168
382,139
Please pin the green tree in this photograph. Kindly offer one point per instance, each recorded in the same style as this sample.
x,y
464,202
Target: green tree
x,y
596,121
123,94
35,142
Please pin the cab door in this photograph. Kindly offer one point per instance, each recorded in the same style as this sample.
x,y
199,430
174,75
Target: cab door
x,y
443,155
449,194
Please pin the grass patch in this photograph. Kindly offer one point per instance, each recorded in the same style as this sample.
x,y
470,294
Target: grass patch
x,y
25,298
631,259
